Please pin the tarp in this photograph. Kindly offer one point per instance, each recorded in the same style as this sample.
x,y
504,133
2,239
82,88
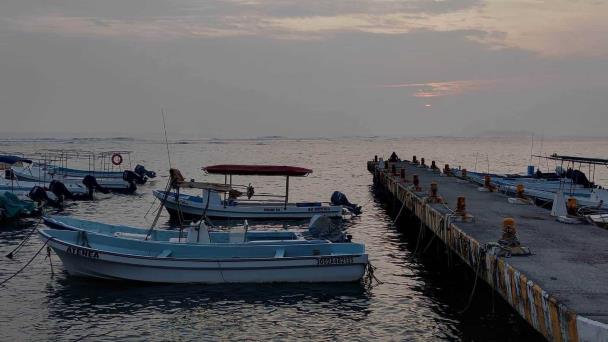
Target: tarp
x,y
257,170
13,205
13,159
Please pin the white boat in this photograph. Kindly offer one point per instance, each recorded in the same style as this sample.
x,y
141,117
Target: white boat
x,y
37,173
199,258
211,204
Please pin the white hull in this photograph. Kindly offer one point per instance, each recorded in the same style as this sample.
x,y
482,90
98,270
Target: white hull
x,y
87,262
247,211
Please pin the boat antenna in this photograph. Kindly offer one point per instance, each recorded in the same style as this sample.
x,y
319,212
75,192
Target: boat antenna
x,y
166,140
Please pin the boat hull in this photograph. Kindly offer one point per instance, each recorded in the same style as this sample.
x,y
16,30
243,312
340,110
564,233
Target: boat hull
x,y
92,263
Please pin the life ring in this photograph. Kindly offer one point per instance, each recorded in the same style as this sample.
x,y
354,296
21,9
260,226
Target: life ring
x,y
116,159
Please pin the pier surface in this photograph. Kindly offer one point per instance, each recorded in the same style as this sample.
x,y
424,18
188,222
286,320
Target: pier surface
x,y
561,289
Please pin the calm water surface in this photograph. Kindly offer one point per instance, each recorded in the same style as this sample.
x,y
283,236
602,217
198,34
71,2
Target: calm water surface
x,y
419,299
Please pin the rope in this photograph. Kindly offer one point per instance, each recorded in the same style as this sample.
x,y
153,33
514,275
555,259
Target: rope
x,y
399,214
162,203
29,234
470,301
26,264
370,277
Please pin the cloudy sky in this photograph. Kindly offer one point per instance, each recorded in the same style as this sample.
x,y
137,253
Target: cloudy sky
x,y
304,68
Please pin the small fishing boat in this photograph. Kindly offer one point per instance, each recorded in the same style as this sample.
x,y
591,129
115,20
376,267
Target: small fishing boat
x,y
204,257
37,173
568,179
211,204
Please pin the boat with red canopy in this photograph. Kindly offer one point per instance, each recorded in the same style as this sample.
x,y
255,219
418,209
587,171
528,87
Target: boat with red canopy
x,y
257,170
246,204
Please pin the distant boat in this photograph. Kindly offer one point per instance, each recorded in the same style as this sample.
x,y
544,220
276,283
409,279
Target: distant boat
x,y
569,180
203,257
212,205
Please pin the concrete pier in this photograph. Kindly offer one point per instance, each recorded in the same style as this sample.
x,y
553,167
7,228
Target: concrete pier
x,y
561,289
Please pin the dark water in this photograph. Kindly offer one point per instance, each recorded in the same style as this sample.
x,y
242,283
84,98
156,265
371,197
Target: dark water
x,y
419,299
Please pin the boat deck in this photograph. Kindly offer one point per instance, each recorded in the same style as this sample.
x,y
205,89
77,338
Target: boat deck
x,y
568,269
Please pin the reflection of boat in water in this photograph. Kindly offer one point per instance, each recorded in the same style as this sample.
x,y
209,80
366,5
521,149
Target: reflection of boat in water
x,y
126,253
211,204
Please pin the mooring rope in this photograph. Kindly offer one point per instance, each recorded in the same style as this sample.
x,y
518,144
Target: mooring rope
x,y
370,276
26,264
29,234
470,301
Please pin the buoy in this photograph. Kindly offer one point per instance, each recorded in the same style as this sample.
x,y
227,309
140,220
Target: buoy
x,y
116,159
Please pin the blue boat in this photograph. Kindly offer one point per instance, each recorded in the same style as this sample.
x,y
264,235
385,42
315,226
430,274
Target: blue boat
x,y
202,257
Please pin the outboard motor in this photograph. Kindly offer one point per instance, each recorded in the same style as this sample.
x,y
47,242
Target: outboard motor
x,y
338,198
91,183
321,227
9,174
141,170
579,177
38,194
133,177
60,190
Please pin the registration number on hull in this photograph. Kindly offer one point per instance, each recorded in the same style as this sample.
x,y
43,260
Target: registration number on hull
x,y
83,252
336,260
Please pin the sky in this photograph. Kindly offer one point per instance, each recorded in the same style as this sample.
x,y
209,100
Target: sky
x,y
248,68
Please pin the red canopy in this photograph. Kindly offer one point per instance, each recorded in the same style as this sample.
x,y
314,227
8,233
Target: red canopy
x,y
257,170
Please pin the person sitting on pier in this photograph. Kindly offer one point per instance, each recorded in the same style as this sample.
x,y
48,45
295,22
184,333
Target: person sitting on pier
x,y
393,158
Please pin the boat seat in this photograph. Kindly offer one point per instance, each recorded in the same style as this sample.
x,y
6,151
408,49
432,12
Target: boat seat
x,y
280,253
165,253
133,236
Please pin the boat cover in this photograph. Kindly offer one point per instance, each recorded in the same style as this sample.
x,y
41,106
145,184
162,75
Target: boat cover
x,y
257,170
13,159
13,206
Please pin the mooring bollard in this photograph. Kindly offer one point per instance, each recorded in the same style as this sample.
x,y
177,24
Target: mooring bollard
x,y
509,233
416,182
520,190
487,183
571,206
461,206
446,170
434,194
